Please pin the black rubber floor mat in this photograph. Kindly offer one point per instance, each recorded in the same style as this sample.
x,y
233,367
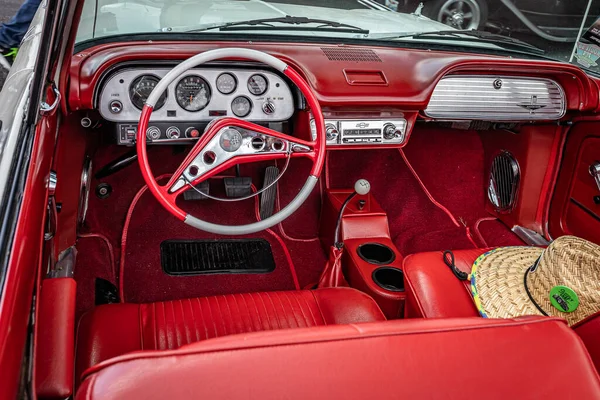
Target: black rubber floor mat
x,y
233,256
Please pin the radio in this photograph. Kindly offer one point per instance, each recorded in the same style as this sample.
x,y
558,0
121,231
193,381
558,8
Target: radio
x,y
352,132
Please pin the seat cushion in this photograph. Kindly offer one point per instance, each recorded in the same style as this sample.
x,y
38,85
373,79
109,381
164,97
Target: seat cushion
x,y
432,289
469,358
115,329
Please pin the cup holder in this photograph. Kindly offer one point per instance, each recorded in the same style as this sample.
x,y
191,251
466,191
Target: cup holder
x,y
389,278
376,253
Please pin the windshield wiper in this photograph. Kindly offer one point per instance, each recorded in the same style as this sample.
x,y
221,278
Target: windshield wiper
x,y
462,35
260,24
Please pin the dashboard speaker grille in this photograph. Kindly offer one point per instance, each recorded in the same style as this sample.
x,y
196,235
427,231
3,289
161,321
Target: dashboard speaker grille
x,y
504,182
346,54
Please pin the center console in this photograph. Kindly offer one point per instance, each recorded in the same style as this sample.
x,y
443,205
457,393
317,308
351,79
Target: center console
x,y
371,262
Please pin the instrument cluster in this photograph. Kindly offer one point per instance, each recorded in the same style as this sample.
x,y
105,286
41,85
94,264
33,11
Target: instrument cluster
x,y
200,95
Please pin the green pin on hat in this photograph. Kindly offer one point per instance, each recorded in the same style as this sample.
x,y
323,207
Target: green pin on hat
x,y
564,299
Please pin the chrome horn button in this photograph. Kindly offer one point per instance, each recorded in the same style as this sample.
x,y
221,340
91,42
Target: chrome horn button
x,y
231,140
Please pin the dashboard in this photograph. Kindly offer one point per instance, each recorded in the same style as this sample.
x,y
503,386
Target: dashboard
x,y
367,102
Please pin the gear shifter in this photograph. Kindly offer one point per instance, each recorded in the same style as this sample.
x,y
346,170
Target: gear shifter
x,y
361,188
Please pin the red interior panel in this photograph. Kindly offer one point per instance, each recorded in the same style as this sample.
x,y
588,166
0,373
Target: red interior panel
x,y
56,339
534,148
589,331
573,210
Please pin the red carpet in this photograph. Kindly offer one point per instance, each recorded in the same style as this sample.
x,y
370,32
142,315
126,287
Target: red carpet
x,y
144,279
416,224
449,164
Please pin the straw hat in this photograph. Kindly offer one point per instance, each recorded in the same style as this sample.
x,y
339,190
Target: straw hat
x,y
562,281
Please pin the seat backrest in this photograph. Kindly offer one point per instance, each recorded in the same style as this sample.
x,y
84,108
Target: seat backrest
x,y
450,358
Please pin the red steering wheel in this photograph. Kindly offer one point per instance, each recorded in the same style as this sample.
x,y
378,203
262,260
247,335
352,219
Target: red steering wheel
x,y
229,141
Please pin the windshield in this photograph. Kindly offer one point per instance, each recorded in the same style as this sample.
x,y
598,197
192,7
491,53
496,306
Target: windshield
x,y
561,30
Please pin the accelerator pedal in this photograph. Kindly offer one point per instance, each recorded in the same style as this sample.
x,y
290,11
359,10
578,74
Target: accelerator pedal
x,y
227,256
267,199
192,194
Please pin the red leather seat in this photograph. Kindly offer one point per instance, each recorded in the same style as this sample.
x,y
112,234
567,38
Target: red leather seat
x,y
470,358
432,289
112,330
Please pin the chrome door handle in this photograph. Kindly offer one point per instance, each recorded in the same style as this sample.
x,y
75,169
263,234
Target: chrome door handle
x,y
595,172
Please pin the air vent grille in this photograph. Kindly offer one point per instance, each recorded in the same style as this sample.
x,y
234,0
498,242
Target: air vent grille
x,y
346,54
504,182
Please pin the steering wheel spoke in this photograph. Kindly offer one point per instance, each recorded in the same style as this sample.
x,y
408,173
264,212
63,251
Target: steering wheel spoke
x,y
230,141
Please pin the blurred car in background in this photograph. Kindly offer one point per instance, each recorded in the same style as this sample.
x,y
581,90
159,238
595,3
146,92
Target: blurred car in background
x,y
554,20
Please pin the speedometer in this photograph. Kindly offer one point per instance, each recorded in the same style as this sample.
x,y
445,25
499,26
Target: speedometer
x,y
141,88
257,84
192,93
226,83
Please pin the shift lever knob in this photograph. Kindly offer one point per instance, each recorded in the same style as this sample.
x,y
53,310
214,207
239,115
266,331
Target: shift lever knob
x,y
362,187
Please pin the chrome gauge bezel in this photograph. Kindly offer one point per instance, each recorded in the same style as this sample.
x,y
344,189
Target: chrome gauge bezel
x,y
208,92
249,108
250,87
161,101
235,85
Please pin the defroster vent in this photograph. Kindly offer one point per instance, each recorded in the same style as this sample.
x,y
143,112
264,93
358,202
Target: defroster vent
x,y
349,54
504,182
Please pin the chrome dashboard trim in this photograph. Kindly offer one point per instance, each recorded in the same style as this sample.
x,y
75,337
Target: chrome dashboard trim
x,y
116,87
496,98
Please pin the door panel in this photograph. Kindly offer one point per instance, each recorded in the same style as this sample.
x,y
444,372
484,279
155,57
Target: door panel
x,y
573,209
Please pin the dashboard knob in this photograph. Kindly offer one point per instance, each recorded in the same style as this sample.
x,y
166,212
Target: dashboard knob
x,y
192,132
268,107
153,133
331,132
116,106
173,132
391,132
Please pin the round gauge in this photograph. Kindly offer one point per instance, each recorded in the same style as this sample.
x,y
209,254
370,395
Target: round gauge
x,y
141,88
257,84
241,106
226,83
192,93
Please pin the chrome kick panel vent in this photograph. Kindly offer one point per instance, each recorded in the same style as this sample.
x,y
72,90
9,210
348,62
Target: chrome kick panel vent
x,y
504,182
496,98
346,54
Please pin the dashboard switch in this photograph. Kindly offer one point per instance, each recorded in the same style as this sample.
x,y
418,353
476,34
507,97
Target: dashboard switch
x,y
390,132
153,133
173,132
331,131
268,108
192,132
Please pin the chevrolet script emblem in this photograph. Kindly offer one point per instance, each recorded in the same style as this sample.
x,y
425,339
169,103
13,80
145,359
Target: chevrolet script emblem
x,y
533,105
362,125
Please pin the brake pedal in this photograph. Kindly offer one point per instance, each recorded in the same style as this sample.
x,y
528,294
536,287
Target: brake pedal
x,y
192,194
267,199
240,186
